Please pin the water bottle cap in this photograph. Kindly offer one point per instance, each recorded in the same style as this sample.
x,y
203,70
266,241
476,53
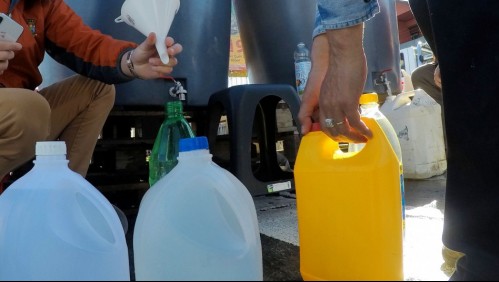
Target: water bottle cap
x,y
368,98
50,148
194,143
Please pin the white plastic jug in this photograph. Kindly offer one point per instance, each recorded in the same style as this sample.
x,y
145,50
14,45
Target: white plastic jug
x,y
151,16
417,120
197,223
54,225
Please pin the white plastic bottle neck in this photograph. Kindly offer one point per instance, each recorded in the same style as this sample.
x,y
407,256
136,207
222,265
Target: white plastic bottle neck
x,y
202,155
51,152
53,160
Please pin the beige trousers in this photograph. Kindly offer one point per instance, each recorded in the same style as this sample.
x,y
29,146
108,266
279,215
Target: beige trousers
x,y
73,110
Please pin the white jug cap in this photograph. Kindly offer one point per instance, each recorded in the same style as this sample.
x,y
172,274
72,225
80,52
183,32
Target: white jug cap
x,y
49,148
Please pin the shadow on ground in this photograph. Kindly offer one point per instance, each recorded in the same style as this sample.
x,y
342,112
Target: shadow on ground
x,y
281,260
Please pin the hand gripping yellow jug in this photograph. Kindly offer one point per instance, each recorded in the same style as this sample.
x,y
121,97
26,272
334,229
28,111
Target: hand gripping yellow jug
x,y
349,208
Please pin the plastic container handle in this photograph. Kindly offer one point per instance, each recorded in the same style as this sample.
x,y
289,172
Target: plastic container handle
x,y
327,148
236,203
403,99
377,141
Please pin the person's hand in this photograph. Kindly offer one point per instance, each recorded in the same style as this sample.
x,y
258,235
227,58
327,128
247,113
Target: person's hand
x,y
341,88
146,61
309,108
7,53
436,77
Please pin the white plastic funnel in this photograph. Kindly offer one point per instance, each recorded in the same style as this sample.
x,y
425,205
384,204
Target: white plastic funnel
x,y
151,16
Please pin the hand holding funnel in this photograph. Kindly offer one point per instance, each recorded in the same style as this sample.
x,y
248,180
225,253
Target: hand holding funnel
x,y
151,16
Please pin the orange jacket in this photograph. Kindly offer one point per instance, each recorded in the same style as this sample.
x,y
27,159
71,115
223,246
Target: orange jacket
x,y
52,26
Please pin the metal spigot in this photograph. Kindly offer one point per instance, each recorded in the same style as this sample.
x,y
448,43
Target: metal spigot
x,y
178,91
383,80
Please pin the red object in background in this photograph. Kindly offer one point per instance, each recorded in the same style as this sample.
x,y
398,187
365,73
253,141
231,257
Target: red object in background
x,y
316,127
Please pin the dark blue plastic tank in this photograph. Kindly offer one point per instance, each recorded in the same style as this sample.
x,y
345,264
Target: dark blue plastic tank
x,y
271,29
202,27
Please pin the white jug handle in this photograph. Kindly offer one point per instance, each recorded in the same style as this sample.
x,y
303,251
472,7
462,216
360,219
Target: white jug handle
x,y
237,203
402,99
119,19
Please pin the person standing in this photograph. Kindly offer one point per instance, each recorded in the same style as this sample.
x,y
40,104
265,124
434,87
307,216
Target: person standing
x,y
466,41
427,76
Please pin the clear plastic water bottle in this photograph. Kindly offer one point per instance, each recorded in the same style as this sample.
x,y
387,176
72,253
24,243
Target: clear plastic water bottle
x,y
198,222
55,226
164,153
303,65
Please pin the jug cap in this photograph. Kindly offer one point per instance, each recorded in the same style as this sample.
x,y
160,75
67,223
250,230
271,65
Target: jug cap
x,y
192,144
368,98
49,148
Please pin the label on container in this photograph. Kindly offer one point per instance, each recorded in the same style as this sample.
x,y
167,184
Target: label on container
x,y
277,187
302,69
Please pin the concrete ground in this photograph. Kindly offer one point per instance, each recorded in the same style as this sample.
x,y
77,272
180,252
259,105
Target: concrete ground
x,y
422,242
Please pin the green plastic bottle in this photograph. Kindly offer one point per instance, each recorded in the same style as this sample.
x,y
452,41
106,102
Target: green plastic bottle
x,y
164,153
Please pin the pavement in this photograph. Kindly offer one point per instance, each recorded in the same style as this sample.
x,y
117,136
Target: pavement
x,y
422,242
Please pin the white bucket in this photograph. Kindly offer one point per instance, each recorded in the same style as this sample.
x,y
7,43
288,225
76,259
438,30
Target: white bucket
x,y
151,16
418,124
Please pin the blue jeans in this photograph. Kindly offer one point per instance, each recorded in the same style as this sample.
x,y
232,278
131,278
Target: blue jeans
x,y
336,14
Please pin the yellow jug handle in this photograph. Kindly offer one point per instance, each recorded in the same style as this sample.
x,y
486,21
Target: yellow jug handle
x,y
379,143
